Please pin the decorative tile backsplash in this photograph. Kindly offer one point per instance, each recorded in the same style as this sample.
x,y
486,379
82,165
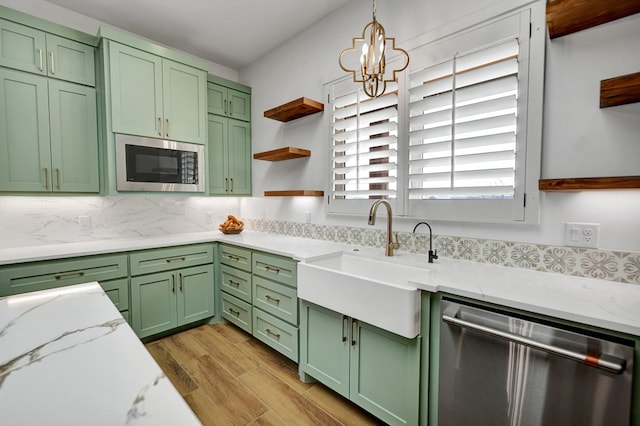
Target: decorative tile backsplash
x,y
602,264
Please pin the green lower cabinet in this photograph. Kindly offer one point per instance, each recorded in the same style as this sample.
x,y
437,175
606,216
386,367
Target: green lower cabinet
x,y
376,369
160,302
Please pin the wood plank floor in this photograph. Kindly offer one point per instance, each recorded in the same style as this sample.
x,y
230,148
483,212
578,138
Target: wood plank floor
x,y
229,378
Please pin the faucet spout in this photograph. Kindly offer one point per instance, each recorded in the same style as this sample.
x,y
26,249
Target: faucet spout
x,y
390,245
432,254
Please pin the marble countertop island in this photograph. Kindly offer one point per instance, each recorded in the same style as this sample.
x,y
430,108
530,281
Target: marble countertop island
x,y
68,357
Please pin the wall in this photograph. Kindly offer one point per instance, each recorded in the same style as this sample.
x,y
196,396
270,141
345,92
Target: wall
x,y
579,139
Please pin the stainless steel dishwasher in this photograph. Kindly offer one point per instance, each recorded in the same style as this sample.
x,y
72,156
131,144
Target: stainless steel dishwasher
x,y
501,369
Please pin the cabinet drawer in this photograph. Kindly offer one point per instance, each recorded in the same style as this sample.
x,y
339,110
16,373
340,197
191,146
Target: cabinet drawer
x,y
276,299
277,268
237,312
235,256
158,260
50,274
118,292
276,333
236,282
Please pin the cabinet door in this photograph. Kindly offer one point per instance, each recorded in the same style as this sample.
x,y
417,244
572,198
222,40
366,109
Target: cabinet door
x,y
216,99
136,91
218,153
71,61
25,157
22,48
239,105
385,374
195,294
185,102
324,346
74,137
153,303
239,157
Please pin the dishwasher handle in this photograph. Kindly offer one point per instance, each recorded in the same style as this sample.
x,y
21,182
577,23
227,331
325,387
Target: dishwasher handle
x,y
607,362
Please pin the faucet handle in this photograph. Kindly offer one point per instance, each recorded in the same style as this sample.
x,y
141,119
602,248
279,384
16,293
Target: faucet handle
x,y
433,255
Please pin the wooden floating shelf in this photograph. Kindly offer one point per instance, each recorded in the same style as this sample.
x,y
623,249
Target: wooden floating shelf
x,y
294,109
580,184
280,154
620,90
570,16
294,193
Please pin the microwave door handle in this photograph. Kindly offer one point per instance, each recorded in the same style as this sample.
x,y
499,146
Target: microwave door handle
x,y
611,364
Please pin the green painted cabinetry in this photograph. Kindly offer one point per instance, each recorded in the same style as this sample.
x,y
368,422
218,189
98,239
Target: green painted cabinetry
x,y
229,156
376,369
181,293
259,295
35,51
111,271
156,97
229,137
49,137
228,102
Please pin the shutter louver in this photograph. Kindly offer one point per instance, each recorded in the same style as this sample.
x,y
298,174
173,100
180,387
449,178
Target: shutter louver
x,y
462,125
364,145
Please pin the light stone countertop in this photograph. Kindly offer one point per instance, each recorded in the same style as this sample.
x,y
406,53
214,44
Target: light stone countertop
x,y
69,357
612,306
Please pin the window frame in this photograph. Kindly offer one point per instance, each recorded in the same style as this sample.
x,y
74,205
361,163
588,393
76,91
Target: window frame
x,y
524,207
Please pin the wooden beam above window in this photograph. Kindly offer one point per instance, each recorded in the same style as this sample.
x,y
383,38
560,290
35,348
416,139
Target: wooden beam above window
x,y
570,16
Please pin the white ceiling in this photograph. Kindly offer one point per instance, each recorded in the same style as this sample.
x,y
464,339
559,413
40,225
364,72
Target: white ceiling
x,y
232,33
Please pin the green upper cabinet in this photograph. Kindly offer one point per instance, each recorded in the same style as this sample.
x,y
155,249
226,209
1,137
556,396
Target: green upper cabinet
x,y
32,50
48,135
228,102
229,156
156,97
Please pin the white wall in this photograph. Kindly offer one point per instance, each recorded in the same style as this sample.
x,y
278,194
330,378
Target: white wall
x,y
579,138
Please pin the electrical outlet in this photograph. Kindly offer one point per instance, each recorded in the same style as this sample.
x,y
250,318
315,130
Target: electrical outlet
x,y
208,218
84,223
581,234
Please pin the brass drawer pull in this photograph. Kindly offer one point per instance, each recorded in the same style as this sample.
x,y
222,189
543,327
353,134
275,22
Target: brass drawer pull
x,y
267,297
276,335
58,179
234,312
69,275
234,283
272,269
46,178
234,258
176,259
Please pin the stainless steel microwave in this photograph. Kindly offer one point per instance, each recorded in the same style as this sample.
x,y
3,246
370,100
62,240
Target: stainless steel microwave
x,y
148,164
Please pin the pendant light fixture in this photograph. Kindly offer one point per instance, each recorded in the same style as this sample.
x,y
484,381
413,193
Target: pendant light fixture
x,y
373,48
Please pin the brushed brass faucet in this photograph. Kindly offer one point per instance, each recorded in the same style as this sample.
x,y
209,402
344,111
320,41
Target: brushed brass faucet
x,y
389,244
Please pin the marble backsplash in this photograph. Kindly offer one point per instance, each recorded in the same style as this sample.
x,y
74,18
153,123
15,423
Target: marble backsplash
x,y
31,221
607,265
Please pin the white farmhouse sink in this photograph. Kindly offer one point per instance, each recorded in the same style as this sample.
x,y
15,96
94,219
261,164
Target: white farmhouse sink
x,y
372,290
